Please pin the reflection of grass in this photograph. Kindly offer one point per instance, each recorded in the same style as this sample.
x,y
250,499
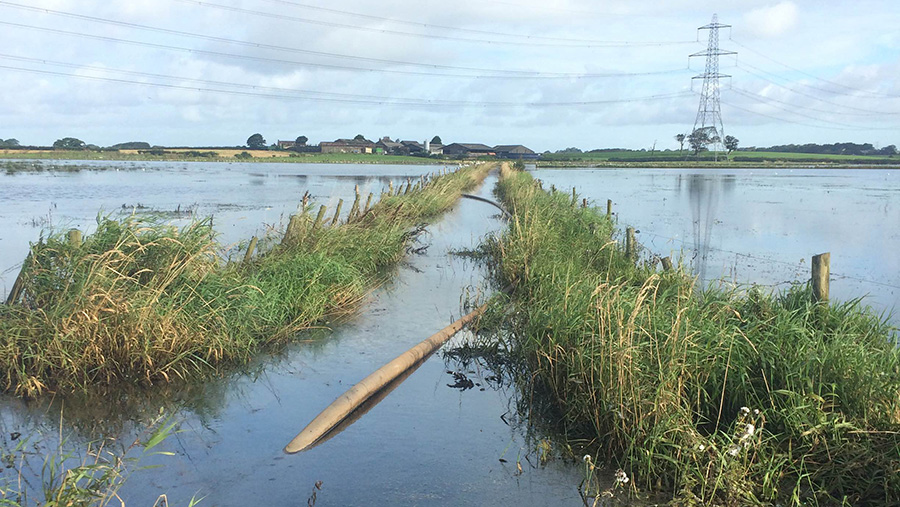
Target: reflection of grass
x,y
658,374
68,479
145,301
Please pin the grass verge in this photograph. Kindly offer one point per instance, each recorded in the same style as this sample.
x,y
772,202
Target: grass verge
x,y
144,302
713,397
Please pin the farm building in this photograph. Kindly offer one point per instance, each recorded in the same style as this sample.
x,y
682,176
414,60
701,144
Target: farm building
x,y
516,151
468,149
348,146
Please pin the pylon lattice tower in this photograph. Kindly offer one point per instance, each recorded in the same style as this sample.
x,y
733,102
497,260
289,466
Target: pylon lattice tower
x,y
709,113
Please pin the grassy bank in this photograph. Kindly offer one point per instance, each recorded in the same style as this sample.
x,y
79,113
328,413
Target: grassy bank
x,y
712,397
148,302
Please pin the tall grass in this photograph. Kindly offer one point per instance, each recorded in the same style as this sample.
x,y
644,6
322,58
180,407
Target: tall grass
x,y
715,397
144,302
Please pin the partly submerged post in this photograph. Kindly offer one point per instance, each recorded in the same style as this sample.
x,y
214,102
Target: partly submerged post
x,y
608,208
630,244
821,274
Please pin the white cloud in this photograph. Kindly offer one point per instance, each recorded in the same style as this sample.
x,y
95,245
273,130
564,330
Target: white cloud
x,y
773,20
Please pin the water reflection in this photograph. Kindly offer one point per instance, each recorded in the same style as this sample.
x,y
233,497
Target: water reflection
x,y
704,191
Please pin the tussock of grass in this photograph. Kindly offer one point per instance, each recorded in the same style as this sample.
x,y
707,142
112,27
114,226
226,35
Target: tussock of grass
x,y
656,374
148,302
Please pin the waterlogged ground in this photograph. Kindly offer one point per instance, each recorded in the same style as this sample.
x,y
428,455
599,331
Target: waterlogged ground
x,y
760,226
426,443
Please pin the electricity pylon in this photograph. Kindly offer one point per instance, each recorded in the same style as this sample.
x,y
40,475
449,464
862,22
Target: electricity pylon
x,y
709,114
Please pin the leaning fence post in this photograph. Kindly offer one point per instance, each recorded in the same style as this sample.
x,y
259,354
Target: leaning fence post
x,y
337,212
354,210
630,243
319,217
252,247
667,264
821,273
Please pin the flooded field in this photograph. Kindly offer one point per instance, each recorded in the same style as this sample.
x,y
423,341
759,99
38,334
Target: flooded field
x,y
244,199
425,443
760,226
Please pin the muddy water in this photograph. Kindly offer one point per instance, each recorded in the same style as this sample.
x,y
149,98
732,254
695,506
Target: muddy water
x,y
244,199
761,226
426,443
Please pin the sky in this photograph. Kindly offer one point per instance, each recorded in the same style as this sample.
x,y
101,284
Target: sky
x,y
549,75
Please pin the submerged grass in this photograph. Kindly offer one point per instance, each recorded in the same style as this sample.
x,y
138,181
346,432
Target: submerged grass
x,y
715,397
144,302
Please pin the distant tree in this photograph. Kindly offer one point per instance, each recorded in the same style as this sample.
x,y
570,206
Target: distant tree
x,y
571,149
889,150
132,145
436,140
731,143
11,143
256,142
301,141
698,140
360,137
680,138
69,143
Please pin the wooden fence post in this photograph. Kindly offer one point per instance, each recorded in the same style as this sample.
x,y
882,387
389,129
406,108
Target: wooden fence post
x,y
320,217
630,244
821,273
667,264
252,247
74,237
337,212
608,208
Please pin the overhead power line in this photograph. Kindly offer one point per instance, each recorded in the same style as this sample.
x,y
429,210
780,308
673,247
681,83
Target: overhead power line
x,y
759,97
418,24
329,96
330,24
761,74
785,120
807,74
490,73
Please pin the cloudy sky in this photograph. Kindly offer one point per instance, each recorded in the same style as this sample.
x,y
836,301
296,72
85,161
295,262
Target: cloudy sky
x,y
549,75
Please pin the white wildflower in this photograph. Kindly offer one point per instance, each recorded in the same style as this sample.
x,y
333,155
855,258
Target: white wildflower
x,y
586,458
621,477
755,411
733,450
701,447
745,410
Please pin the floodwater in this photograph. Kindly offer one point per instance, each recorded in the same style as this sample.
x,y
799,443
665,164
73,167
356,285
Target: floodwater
x,y
426,443
760,226
244,199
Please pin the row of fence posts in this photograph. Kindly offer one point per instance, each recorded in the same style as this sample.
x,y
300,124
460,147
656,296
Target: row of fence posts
x,y
820,266
297,224
295,232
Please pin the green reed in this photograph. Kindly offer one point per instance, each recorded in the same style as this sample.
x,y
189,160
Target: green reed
x,y
143,301
712,396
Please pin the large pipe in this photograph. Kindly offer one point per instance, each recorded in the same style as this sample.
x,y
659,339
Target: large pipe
x,y
346,403
482,199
